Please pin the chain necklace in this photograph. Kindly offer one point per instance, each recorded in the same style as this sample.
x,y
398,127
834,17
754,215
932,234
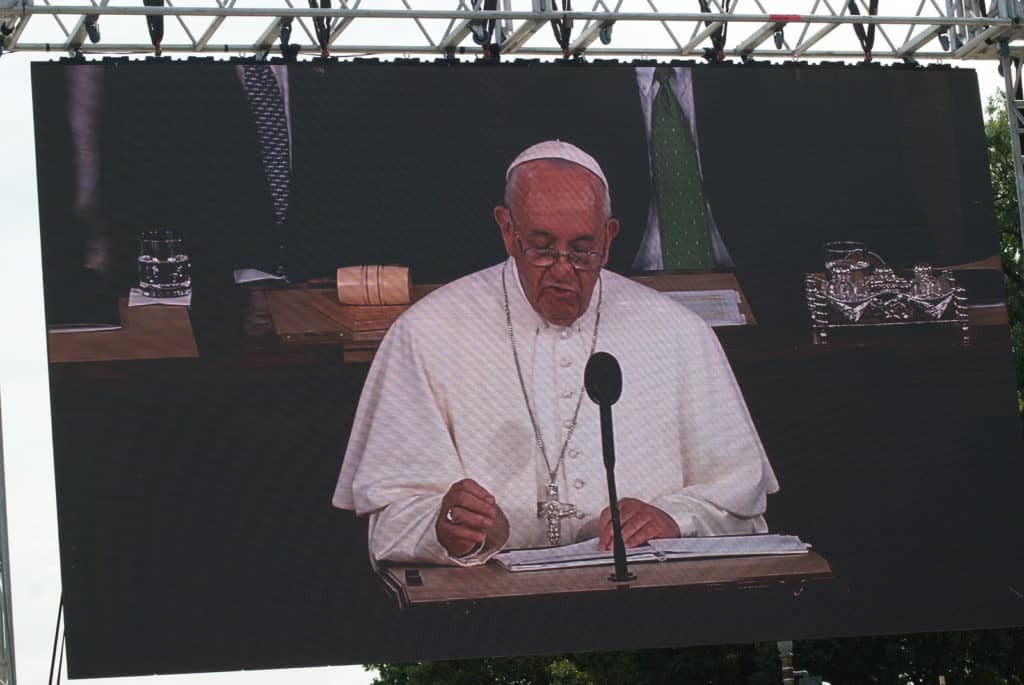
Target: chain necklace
x,y
552,509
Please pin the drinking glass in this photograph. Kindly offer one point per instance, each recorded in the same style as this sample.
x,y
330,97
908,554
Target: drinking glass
x,y
850,253
930,291
164,266
850,299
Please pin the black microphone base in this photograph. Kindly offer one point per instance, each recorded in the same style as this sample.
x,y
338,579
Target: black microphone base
x,y
622,578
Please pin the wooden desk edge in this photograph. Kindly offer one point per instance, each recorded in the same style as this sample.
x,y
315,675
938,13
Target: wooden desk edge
x,y
155,331
650,576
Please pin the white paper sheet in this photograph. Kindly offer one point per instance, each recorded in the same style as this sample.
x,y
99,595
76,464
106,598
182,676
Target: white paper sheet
x,y
248,275
716,307
82,329
729,546
586,553
137,299
583,553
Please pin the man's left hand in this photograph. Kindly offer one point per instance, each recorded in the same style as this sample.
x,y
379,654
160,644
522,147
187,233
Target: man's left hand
x,y
640,522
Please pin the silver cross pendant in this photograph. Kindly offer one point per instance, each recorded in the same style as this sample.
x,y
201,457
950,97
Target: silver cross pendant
x,y
554,511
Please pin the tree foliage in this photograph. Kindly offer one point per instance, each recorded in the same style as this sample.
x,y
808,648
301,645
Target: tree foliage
x,y
983,657
1004,190
755,664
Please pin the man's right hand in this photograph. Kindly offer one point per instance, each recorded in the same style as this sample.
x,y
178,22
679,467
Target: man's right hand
x,y
473,513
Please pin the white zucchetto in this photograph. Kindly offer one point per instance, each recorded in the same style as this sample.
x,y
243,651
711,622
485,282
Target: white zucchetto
x,y
557,149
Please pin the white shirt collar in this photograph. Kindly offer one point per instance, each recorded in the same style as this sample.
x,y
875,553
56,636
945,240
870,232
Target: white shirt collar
x,y
645,78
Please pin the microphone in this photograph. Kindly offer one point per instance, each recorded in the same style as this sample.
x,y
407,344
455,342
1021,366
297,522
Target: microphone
x,y
603,380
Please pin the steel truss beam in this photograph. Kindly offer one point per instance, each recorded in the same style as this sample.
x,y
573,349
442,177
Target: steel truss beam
x,y
938,29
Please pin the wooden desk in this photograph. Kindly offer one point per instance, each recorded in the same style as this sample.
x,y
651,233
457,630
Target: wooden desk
x,y
313,316
420,585
689,282
153,331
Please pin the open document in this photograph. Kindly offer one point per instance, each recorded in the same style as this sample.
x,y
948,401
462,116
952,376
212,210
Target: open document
x,y
586,553
716,307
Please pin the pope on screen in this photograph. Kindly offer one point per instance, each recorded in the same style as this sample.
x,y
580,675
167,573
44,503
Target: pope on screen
x,y
473,432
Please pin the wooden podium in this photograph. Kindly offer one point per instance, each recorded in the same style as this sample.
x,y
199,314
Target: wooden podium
x,y
425,585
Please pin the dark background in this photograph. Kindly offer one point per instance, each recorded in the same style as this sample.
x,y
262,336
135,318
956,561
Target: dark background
x,y
194,496
794,156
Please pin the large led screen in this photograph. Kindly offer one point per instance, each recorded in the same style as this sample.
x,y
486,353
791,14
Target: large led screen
x,y
318,335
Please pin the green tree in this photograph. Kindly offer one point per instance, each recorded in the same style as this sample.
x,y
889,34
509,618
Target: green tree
x,y
754,664
982,657
1004,190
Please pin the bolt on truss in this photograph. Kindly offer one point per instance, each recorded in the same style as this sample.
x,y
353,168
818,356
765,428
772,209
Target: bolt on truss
x,y
802,29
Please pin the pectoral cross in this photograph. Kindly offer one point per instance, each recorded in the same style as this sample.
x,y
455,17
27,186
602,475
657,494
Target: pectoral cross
x,y
554,511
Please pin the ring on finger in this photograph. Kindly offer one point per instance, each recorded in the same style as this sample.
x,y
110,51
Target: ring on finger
x,y
449,515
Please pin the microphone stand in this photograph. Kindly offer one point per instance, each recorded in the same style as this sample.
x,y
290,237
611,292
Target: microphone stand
x,y
603,381
622,573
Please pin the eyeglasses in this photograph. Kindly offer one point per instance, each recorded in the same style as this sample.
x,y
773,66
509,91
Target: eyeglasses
x,y
580,260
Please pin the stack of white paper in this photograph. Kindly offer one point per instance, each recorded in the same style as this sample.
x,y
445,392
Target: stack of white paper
x,y
583,553
716,307
586,553
728,546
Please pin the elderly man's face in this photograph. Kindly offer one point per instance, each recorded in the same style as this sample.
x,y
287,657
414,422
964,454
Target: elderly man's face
x,y
560,206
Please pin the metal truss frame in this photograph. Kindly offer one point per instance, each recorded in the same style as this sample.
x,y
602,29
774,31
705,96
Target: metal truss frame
x,y
935,29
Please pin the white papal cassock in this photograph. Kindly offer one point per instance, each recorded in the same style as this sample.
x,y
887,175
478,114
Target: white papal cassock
x,y
442,402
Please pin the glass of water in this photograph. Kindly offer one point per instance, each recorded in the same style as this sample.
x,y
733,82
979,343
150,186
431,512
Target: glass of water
x,y
164,266
849,253
853,257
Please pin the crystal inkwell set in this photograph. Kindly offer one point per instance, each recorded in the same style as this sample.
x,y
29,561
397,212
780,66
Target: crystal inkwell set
x,y
860,290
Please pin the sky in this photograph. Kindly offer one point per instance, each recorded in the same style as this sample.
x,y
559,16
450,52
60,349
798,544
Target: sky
x,y
24,405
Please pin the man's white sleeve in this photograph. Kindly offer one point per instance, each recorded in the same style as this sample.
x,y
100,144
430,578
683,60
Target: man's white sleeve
x,y
726,474
400,459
